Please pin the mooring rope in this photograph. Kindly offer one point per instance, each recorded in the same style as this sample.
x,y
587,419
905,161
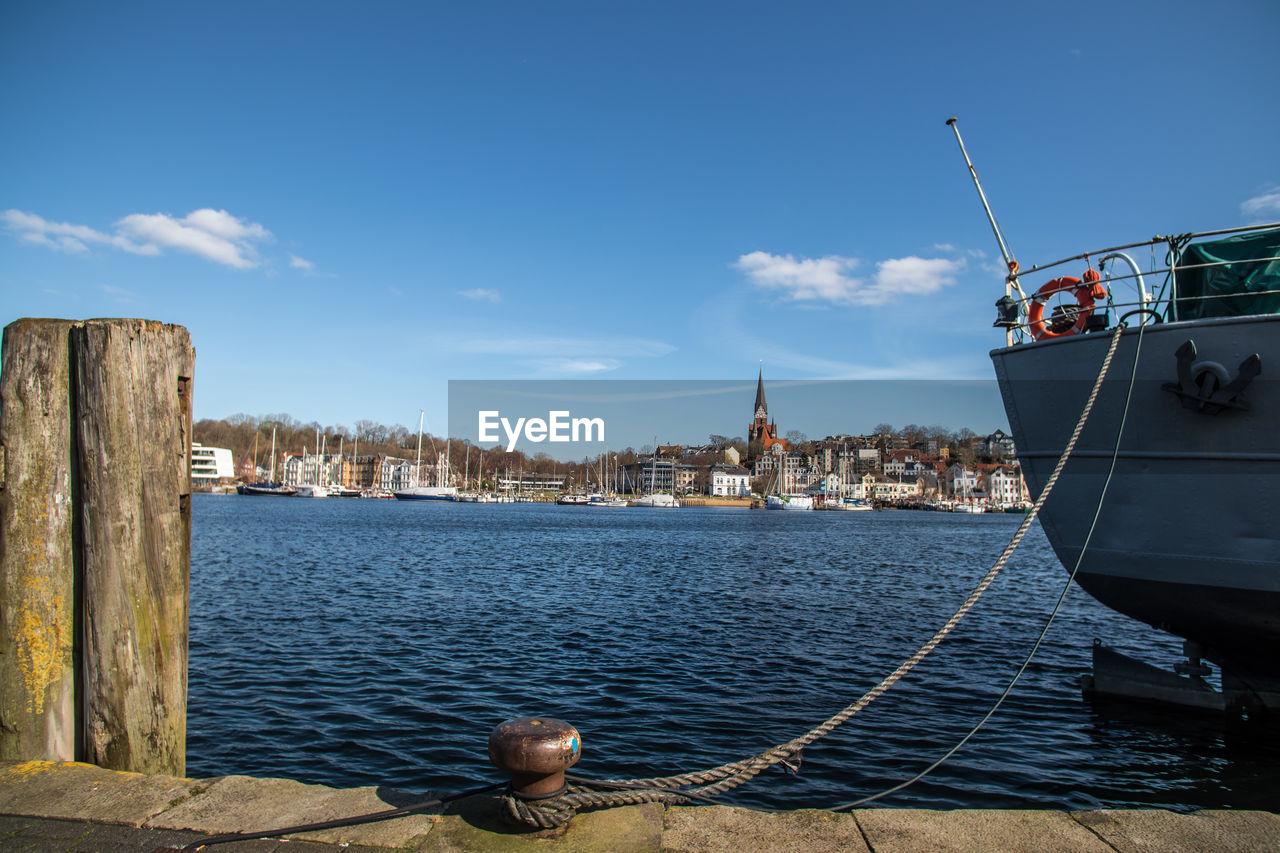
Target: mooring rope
x,y
557,811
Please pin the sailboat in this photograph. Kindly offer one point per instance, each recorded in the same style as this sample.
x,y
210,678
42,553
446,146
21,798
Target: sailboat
x,y
606,499
783,500
314,489
439,492
337,490
270,488
659,500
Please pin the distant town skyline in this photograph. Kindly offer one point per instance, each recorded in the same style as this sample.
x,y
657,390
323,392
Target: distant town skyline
x,y
350,207
642,413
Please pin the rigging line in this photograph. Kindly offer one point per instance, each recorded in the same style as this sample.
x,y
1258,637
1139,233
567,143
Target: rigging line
x,y
1035,647
720,779
727,776
1183,238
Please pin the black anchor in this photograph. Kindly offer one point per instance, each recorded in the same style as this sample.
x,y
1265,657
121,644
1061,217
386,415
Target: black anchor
x,y
1203,390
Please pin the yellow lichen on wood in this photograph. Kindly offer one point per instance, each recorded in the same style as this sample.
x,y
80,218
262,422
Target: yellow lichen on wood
x,y
40,644
31,768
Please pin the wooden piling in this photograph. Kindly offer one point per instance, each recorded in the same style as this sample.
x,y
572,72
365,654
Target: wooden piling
x,y
126,398
37,577
133,391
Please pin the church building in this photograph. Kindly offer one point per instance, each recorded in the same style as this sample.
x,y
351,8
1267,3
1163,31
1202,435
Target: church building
x,y
761,430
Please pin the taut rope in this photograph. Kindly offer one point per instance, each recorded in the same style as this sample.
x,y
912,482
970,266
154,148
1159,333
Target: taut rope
x,y
703,784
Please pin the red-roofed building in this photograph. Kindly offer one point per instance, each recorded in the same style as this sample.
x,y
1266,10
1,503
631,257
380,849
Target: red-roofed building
x,y
761,430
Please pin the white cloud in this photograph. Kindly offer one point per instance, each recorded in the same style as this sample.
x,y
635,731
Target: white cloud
x,y
480,294
212,234
576,366
943,247
824,279
911,276
1267,204
62,236
300,263
828,279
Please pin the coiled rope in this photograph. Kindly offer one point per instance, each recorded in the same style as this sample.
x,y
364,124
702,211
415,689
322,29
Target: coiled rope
x,y
701,785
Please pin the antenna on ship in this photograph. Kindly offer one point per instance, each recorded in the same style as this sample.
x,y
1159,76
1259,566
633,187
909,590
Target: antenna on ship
x,y
1008,308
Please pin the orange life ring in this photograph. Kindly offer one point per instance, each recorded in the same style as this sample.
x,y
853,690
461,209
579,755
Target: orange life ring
x,y
1086,293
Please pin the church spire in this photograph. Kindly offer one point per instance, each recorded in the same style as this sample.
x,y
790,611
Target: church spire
x,y
762,408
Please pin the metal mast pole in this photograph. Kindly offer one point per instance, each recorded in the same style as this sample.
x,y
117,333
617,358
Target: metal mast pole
x,y
1011,280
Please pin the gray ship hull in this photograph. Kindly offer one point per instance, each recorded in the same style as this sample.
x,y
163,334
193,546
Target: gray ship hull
x,y
1188,539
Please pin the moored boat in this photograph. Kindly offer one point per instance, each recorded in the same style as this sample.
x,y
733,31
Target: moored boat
x,y
658,500
274,490
1182,445
792,502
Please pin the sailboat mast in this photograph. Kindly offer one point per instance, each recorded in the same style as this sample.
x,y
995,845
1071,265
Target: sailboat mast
x,y
272,478
417,467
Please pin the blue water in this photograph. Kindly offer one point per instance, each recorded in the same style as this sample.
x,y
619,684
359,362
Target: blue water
x,y
362,642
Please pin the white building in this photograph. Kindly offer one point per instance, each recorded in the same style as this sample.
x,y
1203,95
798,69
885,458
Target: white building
x,y
210,465
528,481
1006,486
860,488
729,481
895,488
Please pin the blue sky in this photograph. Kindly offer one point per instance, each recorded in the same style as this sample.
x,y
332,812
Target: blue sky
x,y
350,204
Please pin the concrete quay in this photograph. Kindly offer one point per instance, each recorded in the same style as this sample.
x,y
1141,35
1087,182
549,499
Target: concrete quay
x,y
63,806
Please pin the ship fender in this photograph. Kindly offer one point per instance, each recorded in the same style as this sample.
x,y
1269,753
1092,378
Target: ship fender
x,y
1086,292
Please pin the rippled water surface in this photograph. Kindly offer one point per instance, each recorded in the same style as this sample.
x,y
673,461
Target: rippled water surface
x,y
361,642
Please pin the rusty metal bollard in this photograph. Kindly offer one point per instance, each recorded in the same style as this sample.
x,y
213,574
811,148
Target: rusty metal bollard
x,y
535,752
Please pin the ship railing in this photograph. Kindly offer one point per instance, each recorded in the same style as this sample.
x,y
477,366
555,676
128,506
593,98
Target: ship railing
x,y
1143,307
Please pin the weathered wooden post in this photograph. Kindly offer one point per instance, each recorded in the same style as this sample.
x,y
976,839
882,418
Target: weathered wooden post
x,y
126,397
37,575
133,383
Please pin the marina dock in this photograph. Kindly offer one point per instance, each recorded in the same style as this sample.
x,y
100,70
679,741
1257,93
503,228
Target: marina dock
x,y
71,806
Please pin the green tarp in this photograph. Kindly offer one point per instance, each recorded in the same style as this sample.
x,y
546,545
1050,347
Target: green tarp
x,y
1242,280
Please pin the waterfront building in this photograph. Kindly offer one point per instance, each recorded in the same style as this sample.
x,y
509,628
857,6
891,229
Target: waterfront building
x,y
896,488
529,481
826,487
394,474
211,465
962,482
1006,486
861,487
729,481
796,471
